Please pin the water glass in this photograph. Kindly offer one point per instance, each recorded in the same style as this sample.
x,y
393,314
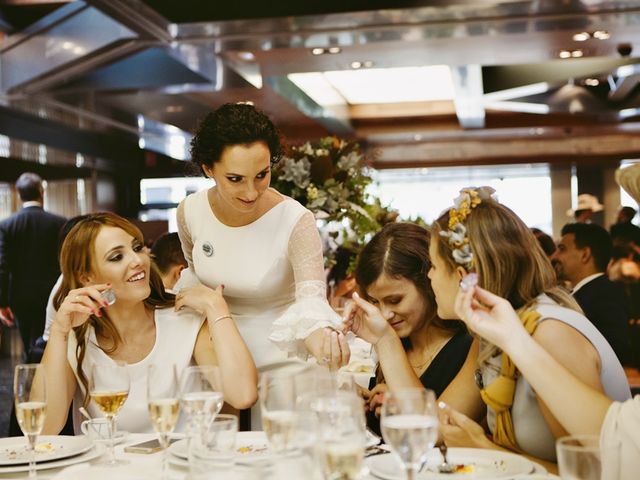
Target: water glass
x,y
214,458
31,405
579,458
409,424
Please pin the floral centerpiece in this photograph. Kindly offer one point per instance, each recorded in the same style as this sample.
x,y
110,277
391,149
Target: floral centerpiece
x,y
330,178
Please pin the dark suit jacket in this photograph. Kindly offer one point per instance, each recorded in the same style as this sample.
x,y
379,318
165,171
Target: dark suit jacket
x,y
29,259
605,304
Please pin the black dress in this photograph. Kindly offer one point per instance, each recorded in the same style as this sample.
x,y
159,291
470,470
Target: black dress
x,y
443,368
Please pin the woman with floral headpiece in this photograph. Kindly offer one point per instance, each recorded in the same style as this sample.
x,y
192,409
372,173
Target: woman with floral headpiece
x,y
480,241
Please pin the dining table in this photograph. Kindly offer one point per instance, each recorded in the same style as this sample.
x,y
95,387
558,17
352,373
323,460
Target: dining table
x,y
253,462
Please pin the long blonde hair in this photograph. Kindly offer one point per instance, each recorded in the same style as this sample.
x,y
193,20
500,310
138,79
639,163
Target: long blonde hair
x,y
506,256
77,260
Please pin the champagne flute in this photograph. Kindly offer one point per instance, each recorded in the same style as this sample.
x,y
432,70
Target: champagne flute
x,y
278,409
109,389
202,397
164,405
31,405
341,434
409,424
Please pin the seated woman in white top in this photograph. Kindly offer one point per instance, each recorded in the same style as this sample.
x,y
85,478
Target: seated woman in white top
x,y
579,408
144,326
482,236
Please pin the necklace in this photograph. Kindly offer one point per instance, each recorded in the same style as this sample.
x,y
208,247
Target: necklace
x,y
430,357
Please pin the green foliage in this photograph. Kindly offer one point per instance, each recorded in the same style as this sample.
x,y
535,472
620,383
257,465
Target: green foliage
x,y
330,178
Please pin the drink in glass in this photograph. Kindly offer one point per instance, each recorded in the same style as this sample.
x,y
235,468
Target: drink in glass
x,y
409,424
31,405
109,389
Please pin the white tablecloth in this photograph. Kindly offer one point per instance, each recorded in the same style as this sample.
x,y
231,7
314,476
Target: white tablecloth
x,y
148,467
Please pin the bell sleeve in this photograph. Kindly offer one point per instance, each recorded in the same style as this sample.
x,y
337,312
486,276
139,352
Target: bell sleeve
x,y
311,310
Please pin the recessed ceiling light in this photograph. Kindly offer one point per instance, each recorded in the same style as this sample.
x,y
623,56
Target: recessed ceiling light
x,y
245,102
577,54
356,65
417,137
334,50
592,82
601,35
247,56
582,37
367,64
564,54
317,51
174,108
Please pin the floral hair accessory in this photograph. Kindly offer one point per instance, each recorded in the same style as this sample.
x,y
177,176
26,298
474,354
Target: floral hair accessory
x,y
456,234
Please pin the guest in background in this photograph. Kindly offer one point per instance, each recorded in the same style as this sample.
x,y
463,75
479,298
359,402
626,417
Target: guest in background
x,y
545,241
167,254
28,260
144,326
624,232
580,409
587,206
583,254
398,308
482,236
264,247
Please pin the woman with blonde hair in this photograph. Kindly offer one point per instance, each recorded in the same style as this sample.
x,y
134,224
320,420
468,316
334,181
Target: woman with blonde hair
x,y
478,235
144,326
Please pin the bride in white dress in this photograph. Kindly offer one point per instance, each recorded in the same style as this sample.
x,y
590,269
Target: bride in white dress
x,y
262,246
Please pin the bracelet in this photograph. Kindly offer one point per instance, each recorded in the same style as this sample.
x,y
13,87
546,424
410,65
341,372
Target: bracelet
x,y
221,317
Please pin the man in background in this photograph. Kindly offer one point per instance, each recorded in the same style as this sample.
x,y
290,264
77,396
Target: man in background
x,y
28,260
166,251
581,259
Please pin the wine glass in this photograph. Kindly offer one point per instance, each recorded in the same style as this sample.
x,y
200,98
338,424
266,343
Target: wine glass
x,y
164,405
31,405
202,397
409,424
341,434
109,389
278,409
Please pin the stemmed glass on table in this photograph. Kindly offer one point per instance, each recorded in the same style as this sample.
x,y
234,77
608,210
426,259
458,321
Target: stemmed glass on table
x,y
341,434
109,389
164,405
278,409
409,424
31,405
202,397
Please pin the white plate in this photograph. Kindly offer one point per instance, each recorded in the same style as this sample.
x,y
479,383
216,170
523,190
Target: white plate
x,y
248,445
63,462
487,464
105,472
15,450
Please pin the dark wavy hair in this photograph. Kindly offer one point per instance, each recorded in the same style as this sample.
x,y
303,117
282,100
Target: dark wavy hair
x,y
234,124
401,250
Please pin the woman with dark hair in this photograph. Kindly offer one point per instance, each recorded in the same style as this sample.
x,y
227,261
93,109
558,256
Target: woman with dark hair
x,y
144,326
398,304
264,247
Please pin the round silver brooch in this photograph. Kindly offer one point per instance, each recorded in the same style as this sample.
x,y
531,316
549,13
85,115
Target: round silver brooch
x,y
207,249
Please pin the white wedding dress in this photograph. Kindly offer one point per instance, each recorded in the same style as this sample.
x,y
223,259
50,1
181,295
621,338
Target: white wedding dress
x,y
272,271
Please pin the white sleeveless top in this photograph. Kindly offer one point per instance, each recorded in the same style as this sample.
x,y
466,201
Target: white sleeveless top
x,y
532,433
272,271
176,334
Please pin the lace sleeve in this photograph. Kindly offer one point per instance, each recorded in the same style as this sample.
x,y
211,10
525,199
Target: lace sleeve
x,y
185,235
311,309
